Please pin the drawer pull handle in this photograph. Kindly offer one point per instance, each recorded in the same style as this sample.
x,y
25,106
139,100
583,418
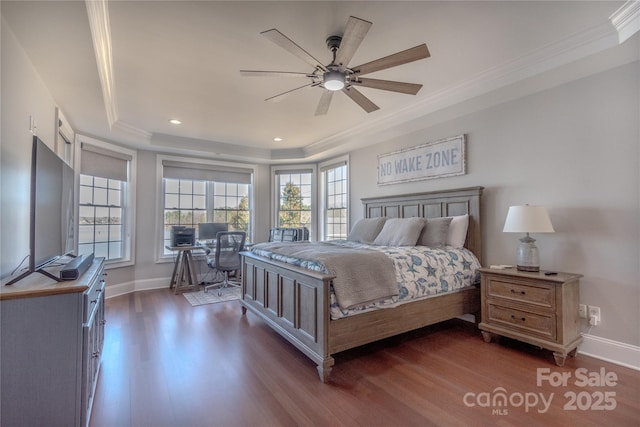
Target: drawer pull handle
x,y
521,318
93,301
513,291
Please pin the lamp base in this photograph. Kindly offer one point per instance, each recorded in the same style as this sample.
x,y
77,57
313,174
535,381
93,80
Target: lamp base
x,y
528,268
527,256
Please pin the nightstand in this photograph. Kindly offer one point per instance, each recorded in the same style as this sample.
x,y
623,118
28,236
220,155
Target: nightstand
x,y
533,308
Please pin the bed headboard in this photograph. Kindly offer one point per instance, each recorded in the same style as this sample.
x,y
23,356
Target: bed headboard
x,y
433,204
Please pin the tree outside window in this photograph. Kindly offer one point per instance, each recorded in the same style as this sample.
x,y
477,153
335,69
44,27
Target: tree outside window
x,y
295,207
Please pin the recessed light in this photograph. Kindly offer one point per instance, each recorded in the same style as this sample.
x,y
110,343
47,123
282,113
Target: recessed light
x,y
277,139
175,122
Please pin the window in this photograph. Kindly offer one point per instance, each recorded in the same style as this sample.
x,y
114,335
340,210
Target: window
x,y
185,203
195,193
231,205
105,201
100,212
294,208
335,197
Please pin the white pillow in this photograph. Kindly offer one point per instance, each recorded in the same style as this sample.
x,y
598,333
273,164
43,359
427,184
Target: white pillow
x,y
365,230
400,232
457,234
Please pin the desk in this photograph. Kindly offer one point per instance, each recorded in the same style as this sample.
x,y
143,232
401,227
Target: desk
x,y
184,276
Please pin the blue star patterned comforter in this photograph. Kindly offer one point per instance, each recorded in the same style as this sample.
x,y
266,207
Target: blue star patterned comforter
x,y
420,271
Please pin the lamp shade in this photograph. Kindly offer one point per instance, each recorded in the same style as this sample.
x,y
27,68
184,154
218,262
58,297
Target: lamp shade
x,y
528,219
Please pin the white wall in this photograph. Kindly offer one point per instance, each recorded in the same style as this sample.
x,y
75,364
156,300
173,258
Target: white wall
x,y
573,149
24,98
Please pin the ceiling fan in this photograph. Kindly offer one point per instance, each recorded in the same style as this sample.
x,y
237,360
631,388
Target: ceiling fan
x,y
338,76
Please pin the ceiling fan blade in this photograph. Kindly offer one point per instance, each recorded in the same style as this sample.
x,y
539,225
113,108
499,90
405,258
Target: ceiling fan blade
x,y
256,73
287,44
280,96
361,100
406,56
353,35
325,101
408,88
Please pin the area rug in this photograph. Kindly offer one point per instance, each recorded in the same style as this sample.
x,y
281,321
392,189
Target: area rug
x,y
211,297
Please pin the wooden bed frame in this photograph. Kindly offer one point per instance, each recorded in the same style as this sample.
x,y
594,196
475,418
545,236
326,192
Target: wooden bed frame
x,y
295,302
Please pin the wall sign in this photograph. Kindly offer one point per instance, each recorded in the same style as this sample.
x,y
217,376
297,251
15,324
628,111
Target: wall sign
x,y
438,159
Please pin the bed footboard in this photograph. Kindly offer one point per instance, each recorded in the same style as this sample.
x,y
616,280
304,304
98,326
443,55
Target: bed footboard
x,y
292,301
295,303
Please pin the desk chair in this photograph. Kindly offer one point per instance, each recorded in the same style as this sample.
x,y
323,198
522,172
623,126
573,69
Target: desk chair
x,y
227,257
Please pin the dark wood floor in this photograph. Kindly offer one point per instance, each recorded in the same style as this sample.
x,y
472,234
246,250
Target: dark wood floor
x,y
166,363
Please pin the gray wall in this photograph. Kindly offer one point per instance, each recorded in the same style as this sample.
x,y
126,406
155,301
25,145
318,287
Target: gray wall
x,y
24,98
573,149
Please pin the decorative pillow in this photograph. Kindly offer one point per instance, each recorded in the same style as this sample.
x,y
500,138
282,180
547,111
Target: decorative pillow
x,y
434,234
458,231
400,232
365,230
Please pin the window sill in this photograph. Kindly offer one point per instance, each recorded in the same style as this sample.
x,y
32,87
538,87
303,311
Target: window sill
x,y
118,264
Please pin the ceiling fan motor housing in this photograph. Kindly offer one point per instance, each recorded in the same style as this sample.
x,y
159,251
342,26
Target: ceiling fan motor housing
x,y
333,42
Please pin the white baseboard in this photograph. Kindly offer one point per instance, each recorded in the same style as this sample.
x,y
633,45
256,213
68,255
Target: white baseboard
x,y
138,285
119,289
611,351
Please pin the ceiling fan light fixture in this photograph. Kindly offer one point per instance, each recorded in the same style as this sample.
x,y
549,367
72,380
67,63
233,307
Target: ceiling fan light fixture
x,y
333,80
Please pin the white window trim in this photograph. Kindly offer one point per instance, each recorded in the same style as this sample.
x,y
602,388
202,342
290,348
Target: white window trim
x,y
129,197
160,257
275,192
322,205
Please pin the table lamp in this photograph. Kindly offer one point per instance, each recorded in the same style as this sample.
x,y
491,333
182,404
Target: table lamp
x,y
528,219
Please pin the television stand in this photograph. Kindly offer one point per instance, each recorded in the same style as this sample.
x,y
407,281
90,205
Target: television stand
x,y
40,270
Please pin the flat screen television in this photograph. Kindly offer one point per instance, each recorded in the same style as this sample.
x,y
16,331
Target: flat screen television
x,y
52,218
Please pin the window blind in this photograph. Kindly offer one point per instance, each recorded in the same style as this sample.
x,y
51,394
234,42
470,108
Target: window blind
x,y
203,172
333,166
96,161
292,171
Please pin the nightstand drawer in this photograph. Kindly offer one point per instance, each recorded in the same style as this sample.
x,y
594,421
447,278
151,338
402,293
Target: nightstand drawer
x,y
532,323
540,295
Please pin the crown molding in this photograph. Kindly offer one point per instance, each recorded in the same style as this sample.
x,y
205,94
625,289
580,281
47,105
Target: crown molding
x,y
223,149
98,13
626,20
131,132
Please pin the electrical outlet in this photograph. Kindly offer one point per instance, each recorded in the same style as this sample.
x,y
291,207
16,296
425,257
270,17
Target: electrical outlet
x,y
594,315
582,311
